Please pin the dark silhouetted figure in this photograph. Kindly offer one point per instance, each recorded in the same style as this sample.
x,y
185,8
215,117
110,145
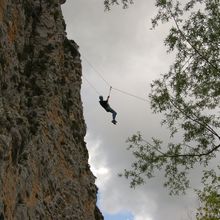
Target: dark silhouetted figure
x,y
106,106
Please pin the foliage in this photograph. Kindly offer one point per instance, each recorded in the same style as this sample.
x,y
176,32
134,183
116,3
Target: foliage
x,y
188,96
109,3
209,197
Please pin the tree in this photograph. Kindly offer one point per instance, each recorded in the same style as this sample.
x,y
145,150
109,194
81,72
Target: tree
x,y
188,95
209,197
109,3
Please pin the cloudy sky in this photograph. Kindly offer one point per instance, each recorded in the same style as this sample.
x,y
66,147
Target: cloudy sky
x,y
119,46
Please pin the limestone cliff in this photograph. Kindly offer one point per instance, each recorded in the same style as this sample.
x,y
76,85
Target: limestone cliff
x,y
44,171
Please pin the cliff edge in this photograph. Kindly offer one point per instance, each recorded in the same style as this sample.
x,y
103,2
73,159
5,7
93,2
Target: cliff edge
x,y
44,171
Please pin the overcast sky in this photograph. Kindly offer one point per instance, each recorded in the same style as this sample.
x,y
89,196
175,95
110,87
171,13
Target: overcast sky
x,y
121,47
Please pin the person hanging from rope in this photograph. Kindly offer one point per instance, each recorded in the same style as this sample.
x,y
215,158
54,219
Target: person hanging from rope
x,y
106,106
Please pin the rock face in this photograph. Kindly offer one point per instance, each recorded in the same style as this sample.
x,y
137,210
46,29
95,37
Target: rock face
x,y
44,171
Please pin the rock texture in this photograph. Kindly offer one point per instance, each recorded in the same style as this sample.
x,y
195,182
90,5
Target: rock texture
x,y
44,171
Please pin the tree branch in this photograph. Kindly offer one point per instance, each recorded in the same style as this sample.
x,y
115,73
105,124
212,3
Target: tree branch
x,y
188,41
183,155
195,120
193,155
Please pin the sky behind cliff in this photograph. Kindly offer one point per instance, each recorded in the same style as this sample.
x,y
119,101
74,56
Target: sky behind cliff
x,y
121,47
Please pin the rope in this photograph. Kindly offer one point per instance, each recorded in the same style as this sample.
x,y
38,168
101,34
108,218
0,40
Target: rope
x,y
116,89
92,85
110,90
97,71
129,94
119,90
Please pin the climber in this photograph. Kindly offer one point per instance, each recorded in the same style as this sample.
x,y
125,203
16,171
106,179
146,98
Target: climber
x,y
106,106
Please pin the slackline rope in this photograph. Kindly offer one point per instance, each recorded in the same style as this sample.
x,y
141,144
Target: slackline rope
x,y
91,85
119,90
107,83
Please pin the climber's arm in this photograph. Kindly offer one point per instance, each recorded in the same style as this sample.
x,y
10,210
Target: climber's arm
x,y
107,98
